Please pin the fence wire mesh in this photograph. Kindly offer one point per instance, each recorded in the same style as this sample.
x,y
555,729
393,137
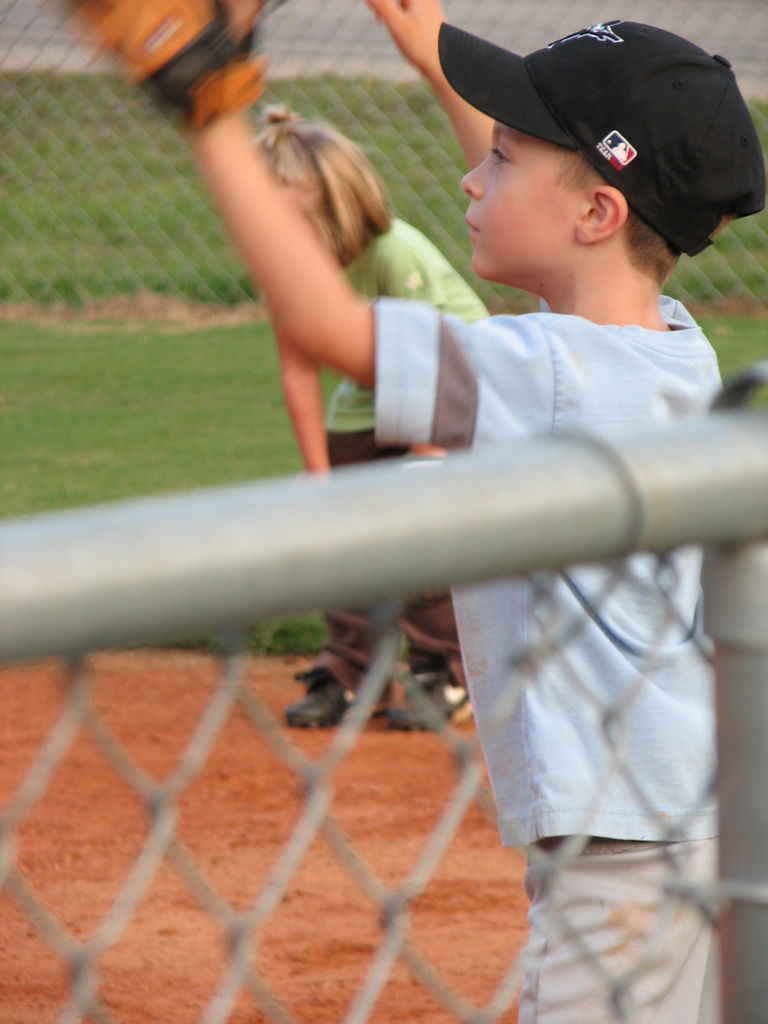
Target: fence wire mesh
x,y
101,199
92,946
212,866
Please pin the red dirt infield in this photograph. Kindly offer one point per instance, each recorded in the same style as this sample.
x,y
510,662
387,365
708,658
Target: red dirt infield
x,y
76,845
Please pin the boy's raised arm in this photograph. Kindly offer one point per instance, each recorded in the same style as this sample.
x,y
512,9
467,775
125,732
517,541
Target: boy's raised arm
x,y
414,26
195,56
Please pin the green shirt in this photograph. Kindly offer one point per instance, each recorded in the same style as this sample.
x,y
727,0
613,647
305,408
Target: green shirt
x,y
401,264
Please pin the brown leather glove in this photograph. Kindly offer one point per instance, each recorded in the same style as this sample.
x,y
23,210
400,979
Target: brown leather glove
x,y
185,52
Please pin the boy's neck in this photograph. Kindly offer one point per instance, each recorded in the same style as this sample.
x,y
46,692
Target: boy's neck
x,y
615,294
617,310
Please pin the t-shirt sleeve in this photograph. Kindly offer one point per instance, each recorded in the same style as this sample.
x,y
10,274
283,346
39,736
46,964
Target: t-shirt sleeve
x,y
444,382
406,374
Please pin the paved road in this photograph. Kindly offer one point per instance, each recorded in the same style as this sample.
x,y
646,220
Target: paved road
x,y
341,36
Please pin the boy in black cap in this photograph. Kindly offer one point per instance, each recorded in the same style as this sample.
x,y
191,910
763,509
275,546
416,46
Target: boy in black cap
x,y
618,132
612,151
662,124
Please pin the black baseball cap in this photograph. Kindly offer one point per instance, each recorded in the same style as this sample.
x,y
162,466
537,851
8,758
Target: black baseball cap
x,y
658,117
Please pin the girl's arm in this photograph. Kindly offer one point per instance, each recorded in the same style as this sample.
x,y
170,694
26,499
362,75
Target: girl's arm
x,y
308,296
304,400
414,26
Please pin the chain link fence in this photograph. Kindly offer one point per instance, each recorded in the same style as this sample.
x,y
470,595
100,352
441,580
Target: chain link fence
x,y
100,198
101,201
137,572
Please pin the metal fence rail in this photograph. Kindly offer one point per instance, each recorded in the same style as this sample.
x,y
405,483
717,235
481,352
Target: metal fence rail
x,y
138,571
80,581
102,198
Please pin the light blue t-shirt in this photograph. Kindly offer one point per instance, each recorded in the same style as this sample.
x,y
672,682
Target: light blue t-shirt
x,y
549,755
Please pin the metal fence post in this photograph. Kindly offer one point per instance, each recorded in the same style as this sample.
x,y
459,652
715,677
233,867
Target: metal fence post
x,y
736,601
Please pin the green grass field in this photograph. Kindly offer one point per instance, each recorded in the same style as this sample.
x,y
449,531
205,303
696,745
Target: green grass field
x,y
101,413
97,412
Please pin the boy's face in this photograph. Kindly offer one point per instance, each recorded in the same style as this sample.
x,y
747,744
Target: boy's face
x,y
520,216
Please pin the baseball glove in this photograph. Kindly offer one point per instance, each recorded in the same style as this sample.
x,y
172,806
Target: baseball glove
x,y
185,52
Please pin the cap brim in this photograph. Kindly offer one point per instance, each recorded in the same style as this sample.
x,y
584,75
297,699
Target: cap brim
x,y
497,82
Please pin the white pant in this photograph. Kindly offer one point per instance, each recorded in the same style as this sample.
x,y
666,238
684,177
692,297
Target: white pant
x,y
608,946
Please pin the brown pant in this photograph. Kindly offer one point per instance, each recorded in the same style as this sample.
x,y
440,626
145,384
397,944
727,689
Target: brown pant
x,y
427,621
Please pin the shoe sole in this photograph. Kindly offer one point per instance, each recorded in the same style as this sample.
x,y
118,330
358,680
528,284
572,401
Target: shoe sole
x,y
397,725
311,725
459,716
462,714
299,723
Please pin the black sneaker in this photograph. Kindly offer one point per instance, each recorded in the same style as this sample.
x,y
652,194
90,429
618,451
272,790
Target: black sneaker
x,y
433,699
324,704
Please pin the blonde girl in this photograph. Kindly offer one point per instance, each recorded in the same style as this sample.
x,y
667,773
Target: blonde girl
x,y
333,183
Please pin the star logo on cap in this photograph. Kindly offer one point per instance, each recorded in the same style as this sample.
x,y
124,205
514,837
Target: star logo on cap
x,y
602,33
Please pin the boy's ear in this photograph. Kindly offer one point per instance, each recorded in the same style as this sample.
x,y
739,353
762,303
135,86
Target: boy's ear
x,y
604,213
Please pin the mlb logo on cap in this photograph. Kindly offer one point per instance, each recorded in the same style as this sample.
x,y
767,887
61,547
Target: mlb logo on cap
x,y
616,150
